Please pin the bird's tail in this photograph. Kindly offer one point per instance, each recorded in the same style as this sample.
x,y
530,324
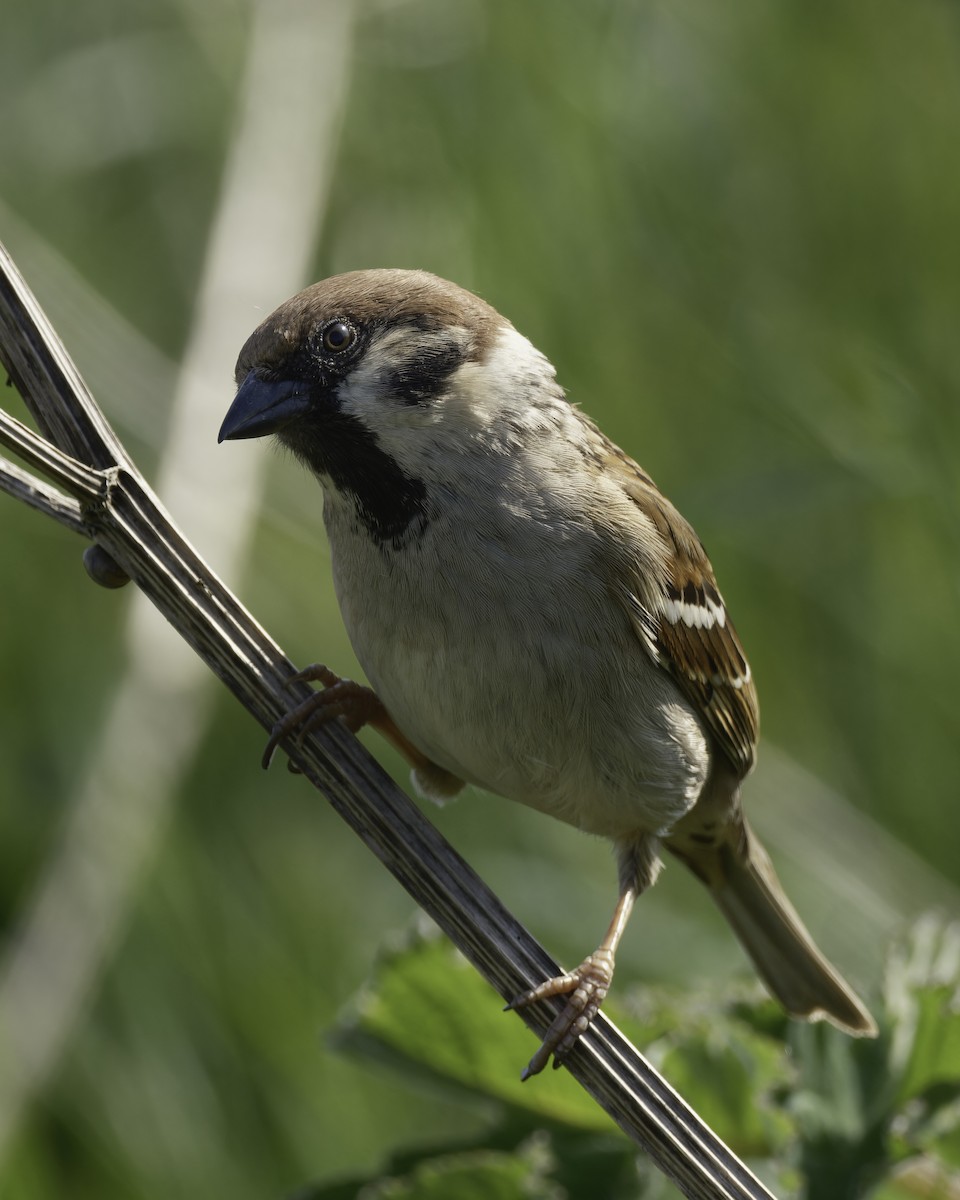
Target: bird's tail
x,y
742,881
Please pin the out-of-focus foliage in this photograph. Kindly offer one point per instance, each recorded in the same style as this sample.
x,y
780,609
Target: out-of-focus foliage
x,y
733,229
817,1113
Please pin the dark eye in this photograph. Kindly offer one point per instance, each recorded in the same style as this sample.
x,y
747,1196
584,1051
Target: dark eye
x,y
338,335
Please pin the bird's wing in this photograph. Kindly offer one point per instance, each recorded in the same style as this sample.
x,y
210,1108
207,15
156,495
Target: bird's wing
x,y
683,624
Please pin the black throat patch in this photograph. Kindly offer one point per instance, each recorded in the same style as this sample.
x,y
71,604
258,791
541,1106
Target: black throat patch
x,y
391,505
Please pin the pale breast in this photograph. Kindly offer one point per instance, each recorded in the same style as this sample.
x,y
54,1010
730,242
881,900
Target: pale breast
x,y
503,659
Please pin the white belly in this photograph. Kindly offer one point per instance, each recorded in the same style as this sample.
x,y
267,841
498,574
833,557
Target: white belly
x,y
480,661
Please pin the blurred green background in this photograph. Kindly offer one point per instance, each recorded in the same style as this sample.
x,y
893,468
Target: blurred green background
x,y
734,229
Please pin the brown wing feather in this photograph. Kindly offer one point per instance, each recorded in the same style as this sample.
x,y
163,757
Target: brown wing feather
x,y
685,627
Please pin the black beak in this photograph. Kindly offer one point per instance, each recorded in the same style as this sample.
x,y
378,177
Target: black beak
x,y
262,406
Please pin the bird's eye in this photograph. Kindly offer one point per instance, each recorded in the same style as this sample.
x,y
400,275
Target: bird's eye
x,y
337,336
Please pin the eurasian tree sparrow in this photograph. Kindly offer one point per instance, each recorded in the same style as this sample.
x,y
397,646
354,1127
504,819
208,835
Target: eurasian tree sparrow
x,y
534,616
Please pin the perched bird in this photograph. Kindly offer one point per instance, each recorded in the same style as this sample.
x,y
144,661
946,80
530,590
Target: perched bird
x,y
534,616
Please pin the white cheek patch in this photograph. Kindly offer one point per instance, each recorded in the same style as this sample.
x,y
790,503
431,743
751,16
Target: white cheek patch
x,y
362,393
507,382
495,402
402,375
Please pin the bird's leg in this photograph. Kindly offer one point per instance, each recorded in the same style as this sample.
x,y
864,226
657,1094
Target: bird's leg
x,y
356,706
588,985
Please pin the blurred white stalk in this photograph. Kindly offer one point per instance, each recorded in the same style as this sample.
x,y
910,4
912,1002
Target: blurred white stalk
x,y
271,204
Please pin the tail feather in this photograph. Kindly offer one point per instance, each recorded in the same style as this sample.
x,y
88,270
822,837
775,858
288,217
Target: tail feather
x,y
742,880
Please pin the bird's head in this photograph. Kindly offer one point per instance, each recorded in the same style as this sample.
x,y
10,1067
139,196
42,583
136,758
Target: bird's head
x,y
382,381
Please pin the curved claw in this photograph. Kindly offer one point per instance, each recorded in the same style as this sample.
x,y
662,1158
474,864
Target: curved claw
x,y
353,702
356,706
587,988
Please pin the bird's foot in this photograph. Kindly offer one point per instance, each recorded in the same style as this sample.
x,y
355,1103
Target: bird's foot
x,y
586,986
354,704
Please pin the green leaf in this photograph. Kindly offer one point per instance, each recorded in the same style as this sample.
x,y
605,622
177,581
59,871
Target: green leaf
x,y
863,1107
471,1175
948,1144
428,1013
922,1179
842,1109
922,990
923,999
730,1075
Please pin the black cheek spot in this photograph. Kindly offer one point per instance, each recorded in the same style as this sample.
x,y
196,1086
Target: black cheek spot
x,y
424,375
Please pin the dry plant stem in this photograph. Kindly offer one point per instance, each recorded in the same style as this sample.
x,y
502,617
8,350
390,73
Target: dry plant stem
x,y
39,495
118,510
